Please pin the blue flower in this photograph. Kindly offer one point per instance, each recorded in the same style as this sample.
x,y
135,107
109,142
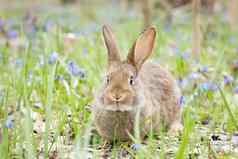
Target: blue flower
x,y
193,76
19,62
12,34
214,87
30,24
136,147
30,75
236,89
176,50
59,77
75,83
181,100
75,71
82,74
206,86
182,82
72,68
205,122
85,51
185,55
234,139
47,25
31,30
9,22
204,68
228,79
8,123
53,57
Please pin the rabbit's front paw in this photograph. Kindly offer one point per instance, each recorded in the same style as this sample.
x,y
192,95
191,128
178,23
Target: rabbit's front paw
x,y
175,129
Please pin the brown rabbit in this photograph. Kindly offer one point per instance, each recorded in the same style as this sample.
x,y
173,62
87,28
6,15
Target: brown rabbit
x,y
132,86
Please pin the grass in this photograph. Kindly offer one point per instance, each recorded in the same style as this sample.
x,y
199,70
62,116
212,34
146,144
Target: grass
x,y
45,107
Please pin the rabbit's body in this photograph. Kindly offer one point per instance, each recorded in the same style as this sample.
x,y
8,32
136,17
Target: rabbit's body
x,y
131,88
161,88
161,104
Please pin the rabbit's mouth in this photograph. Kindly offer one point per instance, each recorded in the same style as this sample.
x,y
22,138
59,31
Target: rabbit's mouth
x,y
118,107
129,104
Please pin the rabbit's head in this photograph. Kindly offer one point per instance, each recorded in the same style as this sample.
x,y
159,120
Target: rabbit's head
x,y
122,89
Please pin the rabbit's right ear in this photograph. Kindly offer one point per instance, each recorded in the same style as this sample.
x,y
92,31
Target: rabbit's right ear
x,y
142,48
110,42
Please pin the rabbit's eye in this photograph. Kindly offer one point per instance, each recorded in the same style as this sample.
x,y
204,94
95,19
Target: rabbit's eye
x,y
107,79
131,80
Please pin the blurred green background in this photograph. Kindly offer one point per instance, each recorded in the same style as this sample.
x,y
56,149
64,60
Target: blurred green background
x,y
52,58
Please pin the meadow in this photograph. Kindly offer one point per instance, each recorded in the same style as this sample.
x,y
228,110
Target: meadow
x,y
52,59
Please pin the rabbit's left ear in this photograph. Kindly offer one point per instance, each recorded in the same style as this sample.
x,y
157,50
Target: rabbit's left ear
x,y
110,42
142,48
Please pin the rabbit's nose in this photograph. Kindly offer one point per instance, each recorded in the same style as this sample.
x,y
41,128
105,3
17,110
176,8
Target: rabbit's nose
x,y
117,97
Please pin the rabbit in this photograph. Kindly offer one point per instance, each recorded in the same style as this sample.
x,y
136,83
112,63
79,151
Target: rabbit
x,y
134,85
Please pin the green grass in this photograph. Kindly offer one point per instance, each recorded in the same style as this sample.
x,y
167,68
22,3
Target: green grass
x,y
60,110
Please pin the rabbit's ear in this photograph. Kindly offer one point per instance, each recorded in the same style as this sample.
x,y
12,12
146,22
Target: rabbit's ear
x,y
142,48
110,42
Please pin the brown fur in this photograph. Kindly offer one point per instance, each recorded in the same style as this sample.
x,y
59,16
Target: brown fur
x,y
178,3
152,93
